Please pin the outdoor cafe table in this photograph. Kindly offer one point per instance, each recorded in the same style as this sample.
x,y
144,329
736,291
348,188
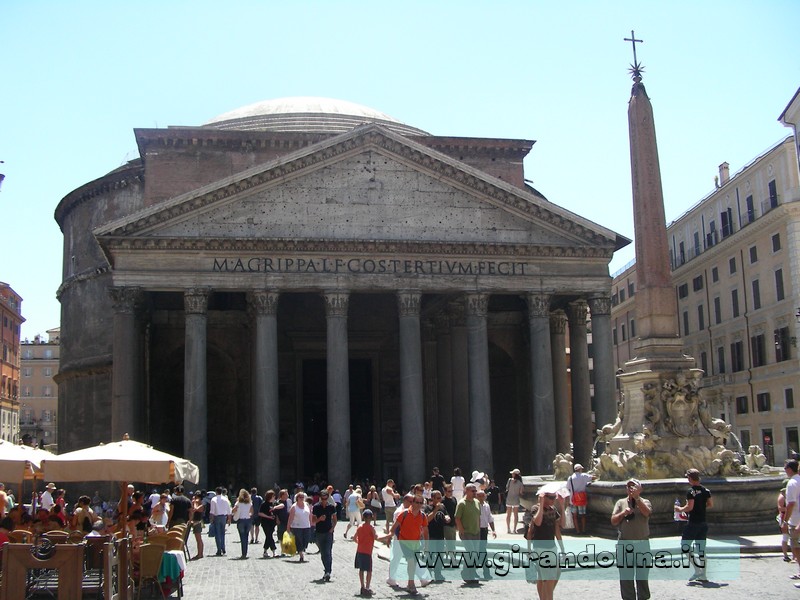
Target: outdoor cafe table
x,y
173,566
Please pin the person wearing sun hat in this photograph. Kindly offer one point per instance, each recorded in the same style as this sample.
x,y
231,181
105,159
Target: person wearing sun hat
x,y
46,501
514,488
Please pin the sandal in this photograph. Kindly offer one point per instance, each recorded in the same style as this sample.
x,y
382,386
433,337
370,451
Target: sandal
x,y
796,576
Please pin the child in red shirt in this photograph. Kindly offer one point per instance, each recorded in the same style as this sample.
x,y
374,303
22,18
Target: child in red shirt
x,y
365,538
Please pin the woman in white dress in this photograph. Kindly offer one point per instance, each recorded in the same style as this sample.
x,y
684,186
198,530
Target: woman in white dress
x,y
458,484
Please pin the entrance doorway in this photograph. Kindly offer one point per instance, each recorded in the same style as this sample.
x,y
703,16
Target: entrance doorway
x,y
315,418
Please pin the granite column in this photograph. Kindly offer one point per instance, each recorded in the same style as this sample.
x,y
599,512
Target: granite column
x,y
126,386
195,391
480,409
412,416
338,376
265,393
603,361
581,395
444,392
558,347
543,408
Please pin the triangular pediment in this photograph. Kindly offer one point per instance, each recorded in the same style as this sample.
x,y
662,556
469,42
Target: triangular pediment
x,y
367,184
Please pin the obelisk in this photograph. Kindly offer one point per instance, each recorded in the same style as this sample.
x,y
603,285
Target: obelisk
x,y
658,351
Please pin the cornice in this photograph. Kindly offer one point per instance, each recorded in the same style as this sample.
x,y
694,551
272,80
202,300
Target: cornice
x,y
116,180
495,191
372,247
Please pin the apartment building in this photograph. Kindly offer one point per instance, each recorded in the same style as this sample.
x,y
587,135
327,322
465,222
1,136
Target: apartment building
x,y
38,390
735,262
10,324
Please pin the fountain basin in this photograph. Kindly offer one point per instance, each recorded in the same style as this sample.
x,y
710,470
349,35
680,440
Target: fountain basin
x,y
742,505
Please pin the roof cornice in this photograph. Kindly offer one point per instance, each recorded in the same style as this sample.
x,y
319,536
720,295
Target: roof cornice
x,y
372,247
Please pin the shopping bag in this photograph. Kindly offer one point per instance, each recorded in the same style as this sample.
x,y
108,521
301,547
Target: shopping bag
x,y
288,546
568,520
211,528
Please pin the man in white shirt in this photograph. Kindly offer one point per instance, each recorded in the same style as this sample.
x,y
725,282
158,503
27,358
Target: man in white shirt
x,y
390,498
152,500
220,510
47,497
576,484
792,514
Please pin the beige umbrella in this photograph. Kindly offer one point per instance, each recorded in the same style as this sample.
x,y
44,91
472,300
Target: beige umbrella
x,y
18,462
120,461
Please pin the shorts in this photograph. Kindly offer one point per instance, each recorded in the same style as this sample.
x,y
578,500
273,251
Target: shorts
x,y
794,537
580,510
197,526
512,505
363,562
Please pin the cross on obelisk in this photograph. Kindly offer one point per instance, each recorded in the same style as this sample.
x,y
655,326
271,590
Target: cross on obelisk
x,y
633,41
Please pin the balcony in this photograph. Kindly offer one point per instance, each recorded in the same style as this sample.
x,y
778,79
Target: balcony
x,y
770,203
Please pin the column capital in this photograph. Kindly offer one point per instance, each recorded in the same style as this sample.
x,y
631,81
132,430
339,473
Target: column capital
x,y
195,300
558,322
477,304
538,304
336,303
264,302
125,300
456,313
408,302
600,305
577,312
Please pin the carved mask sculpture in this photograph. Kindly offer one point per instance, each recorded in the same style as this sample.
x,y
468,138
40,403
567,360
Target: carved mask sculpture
x,y
681,404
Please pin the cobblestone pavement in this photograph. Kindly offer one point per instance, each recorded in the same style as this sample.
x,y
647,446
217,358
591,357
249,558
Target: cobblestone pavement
x,y
223,578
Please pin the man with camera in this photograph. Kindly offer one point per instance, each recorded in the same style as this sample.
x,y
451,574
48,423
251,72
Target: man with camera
x,y
631,516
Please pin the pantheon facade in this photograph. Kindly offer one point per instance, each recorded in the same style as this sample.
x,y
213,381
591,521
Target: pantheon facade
x,y
307,286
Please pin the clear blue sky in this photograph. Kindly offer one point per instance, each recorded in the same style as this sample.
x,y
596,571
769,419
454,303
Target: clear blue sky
x,y
77,77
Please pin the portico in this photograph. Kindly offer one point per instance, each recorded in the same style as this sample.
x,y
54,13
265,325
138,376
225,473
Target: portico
x,y
364,306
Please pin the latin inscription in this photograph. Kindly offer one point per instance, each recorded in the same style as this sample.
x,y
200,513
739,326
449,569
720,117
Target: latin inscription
x,y
381,266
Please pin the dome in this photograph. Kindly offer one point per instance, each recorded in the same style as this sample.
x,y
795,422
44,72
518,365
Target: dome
x,y
308,115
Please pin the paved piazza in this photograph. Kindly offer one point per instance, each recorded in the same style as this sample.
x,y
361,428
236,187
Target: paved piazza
x,y
223,578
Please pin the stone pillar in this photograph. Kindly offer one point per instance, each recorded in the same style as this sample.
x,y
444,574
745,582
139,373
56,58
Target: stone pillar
x,y
603,361
195,393
339,469
412,416
582,433
265,429
444,392
558,348
430,396
462,443
480,410
542,402
126,391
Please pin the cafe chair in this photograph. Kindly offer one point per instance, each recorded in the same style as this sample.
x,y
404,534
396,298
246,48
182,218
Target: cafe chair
x,y
150,556
20,536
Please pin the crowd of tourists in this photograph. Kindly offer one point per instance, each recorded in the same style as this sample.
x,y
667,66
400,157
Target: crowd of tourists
x,y
437,510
